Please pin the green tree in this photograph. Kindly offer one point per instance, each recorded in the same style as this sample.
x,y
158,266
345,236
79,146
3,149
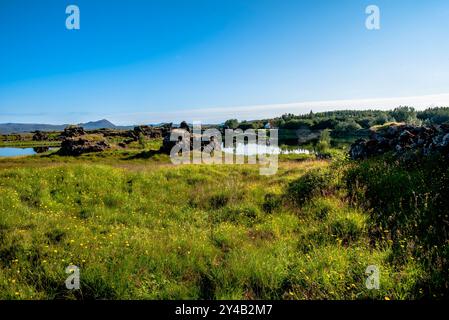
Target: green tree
x,y
297,124
404,114
381,119
434,115
232,123
324,142
245,125
345,127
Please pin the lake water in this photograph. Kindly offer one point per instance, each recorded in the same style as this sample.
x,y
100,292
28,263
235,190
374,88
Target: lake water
x,y
248,149
251,149
14,152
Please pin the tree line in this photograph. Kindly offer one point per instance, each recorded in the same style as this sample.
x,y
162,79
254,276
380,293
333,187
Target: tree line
x,y
347,121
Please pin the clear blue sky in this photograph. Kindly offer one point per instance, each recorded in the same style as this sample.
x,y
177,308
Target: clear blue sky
x,y
142,61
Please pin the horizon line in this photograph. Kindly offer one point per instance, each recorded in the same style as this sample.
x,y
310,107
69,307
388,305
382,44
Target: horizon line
x,y
216,115
269,111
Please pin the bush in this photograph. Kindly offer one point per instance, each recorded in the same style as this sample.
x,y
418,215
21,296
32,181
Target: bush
x,y
297,124
271,202
404,114
324,142
347,228
346,127
434,115
410,205
142,142
314,183
232,123
219,200
320,208
244,214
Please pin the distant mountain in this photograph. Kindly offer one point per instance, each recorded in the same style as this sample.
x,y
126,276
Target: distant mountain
x,y
100,124
6,128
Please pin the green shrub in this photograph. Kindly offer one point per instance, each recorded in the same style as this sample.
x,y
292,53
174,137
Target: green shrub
x,y
219,200
314,183
324,142
142,142
246,214
271,202
348,228
320,208
409,203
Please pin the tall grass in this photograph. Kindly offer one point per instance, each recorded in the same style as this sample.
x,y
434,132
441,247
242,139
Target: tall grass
x,y
191,232
409,203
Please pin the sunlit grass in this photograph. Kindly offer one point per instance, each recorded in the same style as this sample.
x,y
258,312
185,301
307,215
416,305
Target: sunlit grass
x,y
141,231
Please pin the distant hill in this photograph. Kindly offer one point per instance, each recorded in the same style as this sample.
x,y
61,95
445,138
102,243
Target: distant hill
x,y
6,128
100,124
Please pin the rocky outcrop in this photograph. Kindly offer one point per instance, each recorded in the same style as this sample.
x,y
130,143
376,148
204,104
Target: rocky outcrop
x,y
147,131
185,136
41,149
40,136
112,132
75,146
403,140
73,131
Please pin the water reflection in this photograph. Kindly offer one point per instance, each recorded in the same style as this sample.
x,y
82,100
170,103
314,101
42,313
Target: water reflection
x,y
250,149
41,149
16,151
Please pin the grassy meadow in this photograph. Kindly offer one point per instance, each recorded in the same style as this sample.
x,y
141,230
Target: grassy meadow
x,y
139,227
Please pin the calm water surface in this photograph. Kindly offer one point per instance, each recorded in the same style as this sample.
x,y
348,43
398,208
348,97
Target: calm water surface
x,y
14,151
250,149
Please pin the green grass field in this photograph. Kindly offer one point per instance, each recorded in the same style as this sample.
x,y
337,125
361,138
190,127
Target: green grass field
x,y
141,228
29,144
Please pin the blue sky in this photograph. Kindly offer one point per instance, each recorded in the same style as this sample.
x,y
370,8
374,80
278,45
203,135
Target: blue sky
x,y
149,61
